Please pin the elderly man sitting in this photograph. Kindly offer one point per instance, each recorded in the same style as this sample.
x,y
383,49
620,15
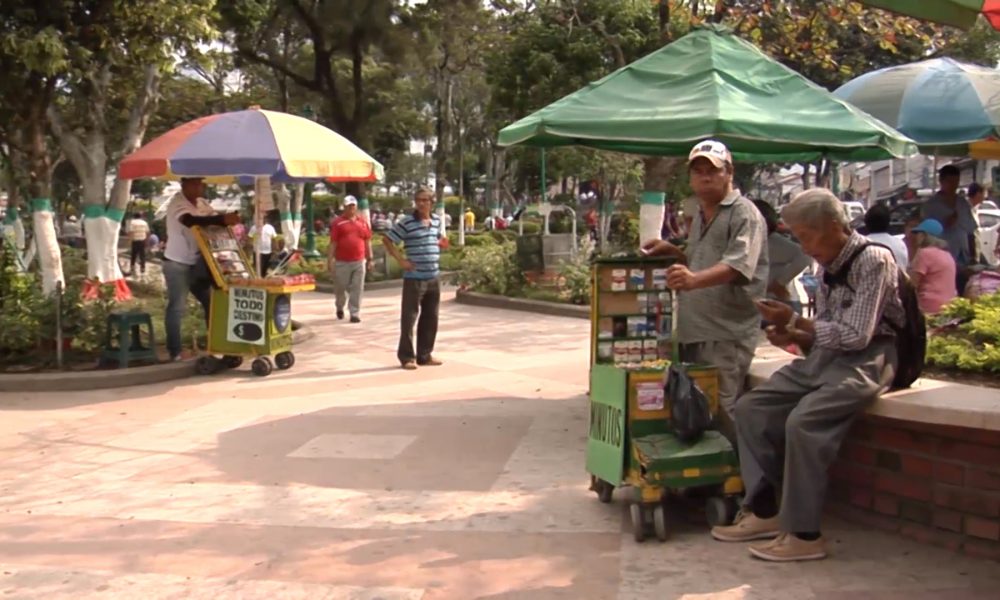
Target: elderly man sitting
x,y
790,428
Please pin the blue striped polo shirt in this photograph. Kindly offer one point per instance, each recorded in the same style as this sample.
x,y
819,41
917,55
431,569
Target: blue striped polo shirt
x,y
421,245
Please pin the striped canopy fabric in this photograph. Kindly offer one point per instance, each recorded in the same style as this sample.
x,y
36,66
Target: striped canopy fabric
x,y
948,107
242,145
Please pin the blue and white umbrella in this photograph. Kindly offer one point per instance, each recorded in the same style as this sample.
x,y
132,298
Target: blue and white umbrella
x,y
948,107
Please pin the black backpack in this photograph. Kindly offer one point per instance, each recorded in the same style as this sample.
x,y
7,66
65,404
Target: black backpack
x,y
911,336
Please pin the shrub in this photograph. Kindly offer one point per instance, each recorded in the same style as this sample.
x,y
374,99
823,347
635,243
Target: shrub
x,y
491,269
575,273
968,336
530,227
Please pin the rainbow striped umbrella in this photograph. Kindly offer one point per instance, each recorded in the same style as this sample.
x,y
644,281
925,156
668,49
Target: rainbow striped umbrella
x,y
246,144
959,13
949,108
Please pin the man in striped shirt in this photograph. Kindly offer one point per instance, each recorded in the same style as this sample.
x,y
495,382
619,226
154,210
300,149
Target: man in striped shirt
x,y
422,236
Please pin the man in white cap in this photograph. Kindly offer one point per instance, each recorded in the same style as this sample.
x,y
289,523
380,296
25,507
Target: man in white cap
x,y
722,272
349,257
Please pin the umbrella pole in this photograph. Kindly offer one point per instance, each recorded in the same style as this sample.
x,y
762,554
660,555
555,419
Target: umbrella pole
x,y
258,221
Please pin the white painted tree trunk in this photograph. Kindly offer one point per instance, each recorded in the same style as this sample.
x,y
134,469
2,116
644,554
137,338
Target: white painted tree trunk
x,y
49,254
290,206
102,249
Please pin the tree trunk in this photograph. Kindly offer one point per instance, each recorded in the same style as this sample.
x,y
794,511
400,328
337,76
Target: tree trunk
x,y
290,207
104,214
40,186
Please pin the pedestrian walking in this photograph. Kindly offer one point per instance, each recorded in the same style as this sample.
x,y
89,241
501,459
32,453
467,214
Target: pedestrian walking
x,y
722,272
138,233
263,245
349,257
422,237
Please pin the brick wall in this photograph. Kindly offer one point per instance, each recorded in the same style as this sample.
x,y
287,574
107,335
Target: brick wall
x,y
935,483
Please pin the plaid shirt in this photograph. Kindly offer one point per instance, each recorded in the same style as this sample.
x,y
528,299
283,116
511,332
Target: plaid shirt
x,y
849,316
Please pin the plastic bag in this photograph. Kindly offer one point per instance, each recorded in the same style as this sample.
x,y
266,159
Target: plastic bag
x,y
690,414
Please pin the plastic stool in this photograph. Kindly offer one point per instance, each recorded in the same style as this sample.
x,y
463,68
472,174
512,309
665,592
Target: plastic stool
x,y
127,328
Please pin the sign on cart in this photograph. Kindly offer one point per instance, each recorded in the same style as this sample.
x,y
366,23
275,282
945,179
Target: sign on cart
x,y
247,315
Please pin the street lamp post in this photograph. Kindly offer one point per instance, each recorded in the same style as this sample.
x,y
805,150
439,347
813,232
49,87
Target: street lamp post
x,y
310,249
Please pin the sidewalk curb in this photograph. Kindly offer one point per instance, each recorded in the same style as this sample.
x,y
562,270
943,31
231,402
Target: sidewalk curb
x,y
522,304
105,379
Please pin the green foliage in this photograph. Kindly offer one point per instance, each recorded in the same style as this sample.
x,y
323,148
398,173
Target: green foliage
x,y
22,308
575,274
530,227
975,344
491,269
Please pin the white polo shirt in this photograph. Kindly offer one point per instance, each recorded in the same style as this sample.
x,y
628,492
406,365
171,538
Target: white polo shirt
x,y
181,245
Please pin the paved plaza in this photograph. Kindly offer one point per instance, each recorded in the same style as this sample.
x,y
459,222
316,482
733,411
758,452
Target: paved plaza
x,y
348,478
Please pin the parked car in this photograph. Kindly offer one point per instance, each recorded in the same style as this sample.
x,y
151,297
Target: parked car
x,y
989,224
854,210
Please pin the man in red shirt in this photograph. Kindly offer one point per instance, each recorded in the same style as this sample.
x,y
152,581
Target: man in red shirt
x,y
349,255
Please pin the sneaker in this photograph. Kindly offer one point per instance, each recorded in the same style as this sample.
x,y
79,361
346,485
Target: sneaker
x,y
340,315
410,365
355,319
430,362
746,527
787,547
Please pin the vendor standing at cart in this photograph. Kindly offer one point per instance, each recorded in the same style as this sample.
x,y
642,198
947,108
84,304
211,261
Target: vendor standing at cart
x,y
723,271
184,269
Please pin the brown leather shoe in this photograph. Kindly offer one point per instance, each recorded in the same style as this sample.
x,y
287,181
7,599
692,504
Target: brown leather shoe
x,y
747,527
789,548
430,362
410,365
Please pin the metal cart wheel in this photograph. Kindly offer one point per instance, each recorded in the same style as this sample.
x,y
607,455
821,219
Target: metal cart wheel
x,y
638,522
605,491
206,365
284,360
230,361
261,366
660,522
720,510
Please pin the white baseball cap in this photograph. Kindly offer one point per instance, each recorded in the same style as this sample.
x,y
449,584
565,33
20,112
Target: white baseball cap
x,y
714,151
350,201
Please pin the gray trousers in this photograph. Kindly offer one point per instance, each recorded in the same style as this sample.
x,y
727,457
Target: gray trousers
x,y
421,299
732,359
349,281
791,426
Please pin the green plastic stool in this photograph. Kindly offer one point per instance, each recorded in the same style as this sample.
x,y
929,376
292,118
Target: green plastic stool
x,y
126,328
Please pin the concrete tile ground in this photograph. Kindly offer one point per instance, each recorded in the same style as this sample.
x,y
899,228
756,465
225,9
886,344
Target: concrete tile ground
x,y
348,478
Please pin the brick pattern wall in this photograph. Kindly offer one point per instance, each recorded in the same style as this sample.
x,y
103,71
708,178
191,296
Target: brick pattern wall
x,y
935,483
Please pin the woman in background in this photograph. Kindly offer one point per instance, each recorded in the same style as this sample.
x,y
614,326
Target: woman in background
x,y
932,268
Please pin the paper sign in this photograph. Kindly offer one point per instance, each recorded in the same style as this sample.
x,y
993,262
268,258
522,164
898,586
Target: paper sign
x,y
649,396
247,317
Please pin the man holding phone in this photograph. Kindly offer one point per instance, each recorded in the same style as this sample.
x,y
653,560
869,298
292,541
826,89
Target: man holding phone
x,y
791,426
723,270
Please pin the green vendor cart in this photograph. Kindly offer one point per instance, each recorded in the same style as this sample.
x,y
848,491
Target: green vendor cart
x,y
630,440
250,317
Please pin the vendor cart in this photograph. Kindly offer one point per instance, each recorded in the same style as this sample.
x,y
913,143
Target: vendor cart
x,y
630,441
249,316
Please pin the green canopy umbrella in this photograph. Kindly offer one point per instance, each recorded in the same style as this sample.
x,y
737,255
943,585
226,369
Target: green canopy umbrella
x,y
710,84
959,13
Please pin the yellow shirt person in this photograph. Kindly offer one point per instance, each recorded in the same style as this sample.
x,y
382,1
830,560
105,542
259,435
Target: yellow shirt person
x,y
470,220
